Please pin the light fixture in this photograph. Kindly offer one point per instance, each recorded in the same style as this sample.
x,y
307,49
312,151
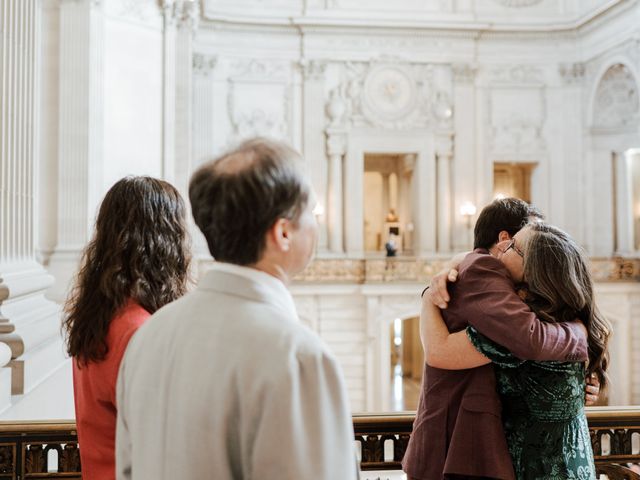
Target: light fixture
x,y
468,210
318,210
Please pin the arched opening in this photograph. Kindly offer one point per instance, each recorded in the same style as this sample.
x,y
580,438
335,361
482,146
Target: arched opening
x,y
616,180
406,362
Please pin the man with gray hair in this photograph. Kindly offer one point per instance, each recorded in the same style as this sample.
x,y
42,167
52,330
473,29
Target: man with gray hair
x,y
226,383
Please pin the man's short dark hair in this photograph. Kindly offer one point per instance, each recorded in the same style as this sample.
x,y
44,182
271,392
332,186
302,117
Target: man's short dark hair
x,y
236,198
508,214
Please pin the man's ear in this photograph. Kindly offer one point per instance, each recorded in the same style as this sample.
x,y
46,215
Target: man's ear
x,y
280,234
503,235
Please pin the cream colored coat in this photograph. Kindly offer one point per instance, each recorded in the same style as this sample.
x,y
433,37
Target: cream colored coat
x,y
226,383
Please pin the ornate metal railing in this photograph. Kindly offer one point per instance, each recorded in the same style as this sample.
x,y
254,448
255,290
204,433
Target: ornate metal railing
x,y
615,436
49,450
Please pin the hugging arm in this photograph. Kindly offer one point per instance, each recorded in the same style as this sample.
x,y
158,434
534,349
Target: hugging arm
x,y
496,311
450,351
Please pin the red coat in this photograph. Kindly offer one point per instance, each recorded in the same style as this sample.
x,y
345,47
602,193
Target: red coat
x,y
458,426
94,391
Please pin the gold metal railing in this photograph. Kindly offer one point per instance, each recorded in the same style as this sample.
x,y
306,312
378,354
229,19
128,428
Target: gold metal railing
x,y
49,450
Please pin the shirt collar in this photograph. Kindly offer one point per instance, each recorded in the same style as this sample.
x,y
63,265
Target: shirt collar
x,y
276,291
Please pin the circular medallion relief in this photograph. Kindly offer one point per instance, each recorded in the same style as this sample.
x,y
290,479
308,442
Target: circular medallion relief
x,y
390,92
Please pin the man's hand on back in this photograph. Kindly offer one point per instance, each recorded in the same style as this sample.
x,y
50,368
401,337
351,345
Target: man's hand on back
x,y
592,390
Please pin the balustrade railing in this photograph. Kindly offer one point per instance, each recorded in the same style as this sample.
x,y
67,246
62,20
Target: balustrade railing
x,y
615,437
49,450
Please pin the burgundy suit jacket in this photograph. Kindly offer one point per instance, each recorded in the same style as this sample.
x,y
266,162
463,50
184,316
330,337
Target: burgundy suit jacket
x,y
458,426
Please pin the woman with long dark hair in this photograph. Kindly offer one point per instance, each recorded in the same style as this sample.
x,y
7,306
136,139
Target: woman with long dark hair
x,y
136,262
542,402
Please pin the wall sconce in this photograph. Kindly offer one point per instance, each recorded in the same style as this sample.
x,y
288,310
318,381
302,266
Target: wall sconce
x,y
468,210
318,210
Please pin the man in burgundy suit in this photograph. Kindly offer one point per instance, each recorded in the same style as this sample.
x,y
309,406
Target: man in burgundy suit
x,y
458,430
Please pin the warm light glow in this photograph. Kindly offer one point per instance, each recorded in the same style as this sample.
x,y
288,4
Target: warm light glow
x,y
467,209
499,196
318,210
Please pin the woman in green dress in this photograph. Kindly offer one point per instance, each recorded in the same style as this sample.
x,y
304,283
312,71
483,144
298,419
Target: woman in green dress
x,y
543,402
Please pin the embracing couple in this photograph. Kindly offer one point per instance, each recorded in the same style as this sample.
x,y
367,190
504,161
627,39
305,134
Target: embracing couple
x,y
503,394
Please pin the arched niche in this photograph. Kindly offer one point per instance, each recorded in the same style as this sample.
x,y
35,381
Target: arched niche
x,y
616,102
614,119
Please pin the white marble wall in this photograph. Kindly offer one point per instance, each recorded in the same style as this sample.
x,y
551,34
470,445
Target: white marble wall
x,y
516,93
148,87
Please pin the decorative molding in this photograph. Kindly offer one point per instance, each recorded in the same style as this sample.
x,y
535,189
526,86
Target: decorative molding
x,y
444,145
616,102
185,14
312,69
518,3
204,64
263,111
572,73
391,93
420,271
464,72
336,141
516,74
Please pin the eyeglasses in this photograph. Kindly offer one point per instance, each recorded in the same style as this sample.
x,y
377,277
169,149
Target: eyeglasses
x,y
512,244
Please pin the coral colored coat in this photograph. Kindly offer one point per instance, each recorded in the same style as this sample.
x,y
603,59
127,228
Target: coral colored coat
x,y
94,389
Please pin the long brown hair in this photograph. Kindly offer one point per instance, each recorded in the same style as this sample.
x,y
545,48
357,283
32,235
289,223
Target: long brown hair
x,y
139,251
561,289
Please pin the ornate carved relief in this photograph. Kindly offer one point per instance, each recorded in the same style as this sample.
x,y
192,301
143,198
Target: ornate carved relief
x,y
517,74
415,270
391,94
259,111
464,72
616,102
183,13
572,72
204,64
312,70
516,116
7,459
142,11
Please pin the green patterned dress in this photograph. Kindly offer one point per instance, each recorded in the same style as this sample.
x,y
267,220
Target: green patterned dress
x,y
543,414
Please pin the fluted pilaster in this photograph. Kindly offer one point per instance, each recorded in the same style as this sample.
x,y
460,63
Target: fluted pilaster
x,y
81,134
29,324
181,22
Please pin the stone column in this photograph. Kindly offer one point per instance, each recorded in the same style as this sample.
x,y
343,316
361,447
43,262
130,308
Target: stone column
x,y
464,167
336,137
313,139
29,324
386,194
81,133
444,156
336,145
623,201
181,22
